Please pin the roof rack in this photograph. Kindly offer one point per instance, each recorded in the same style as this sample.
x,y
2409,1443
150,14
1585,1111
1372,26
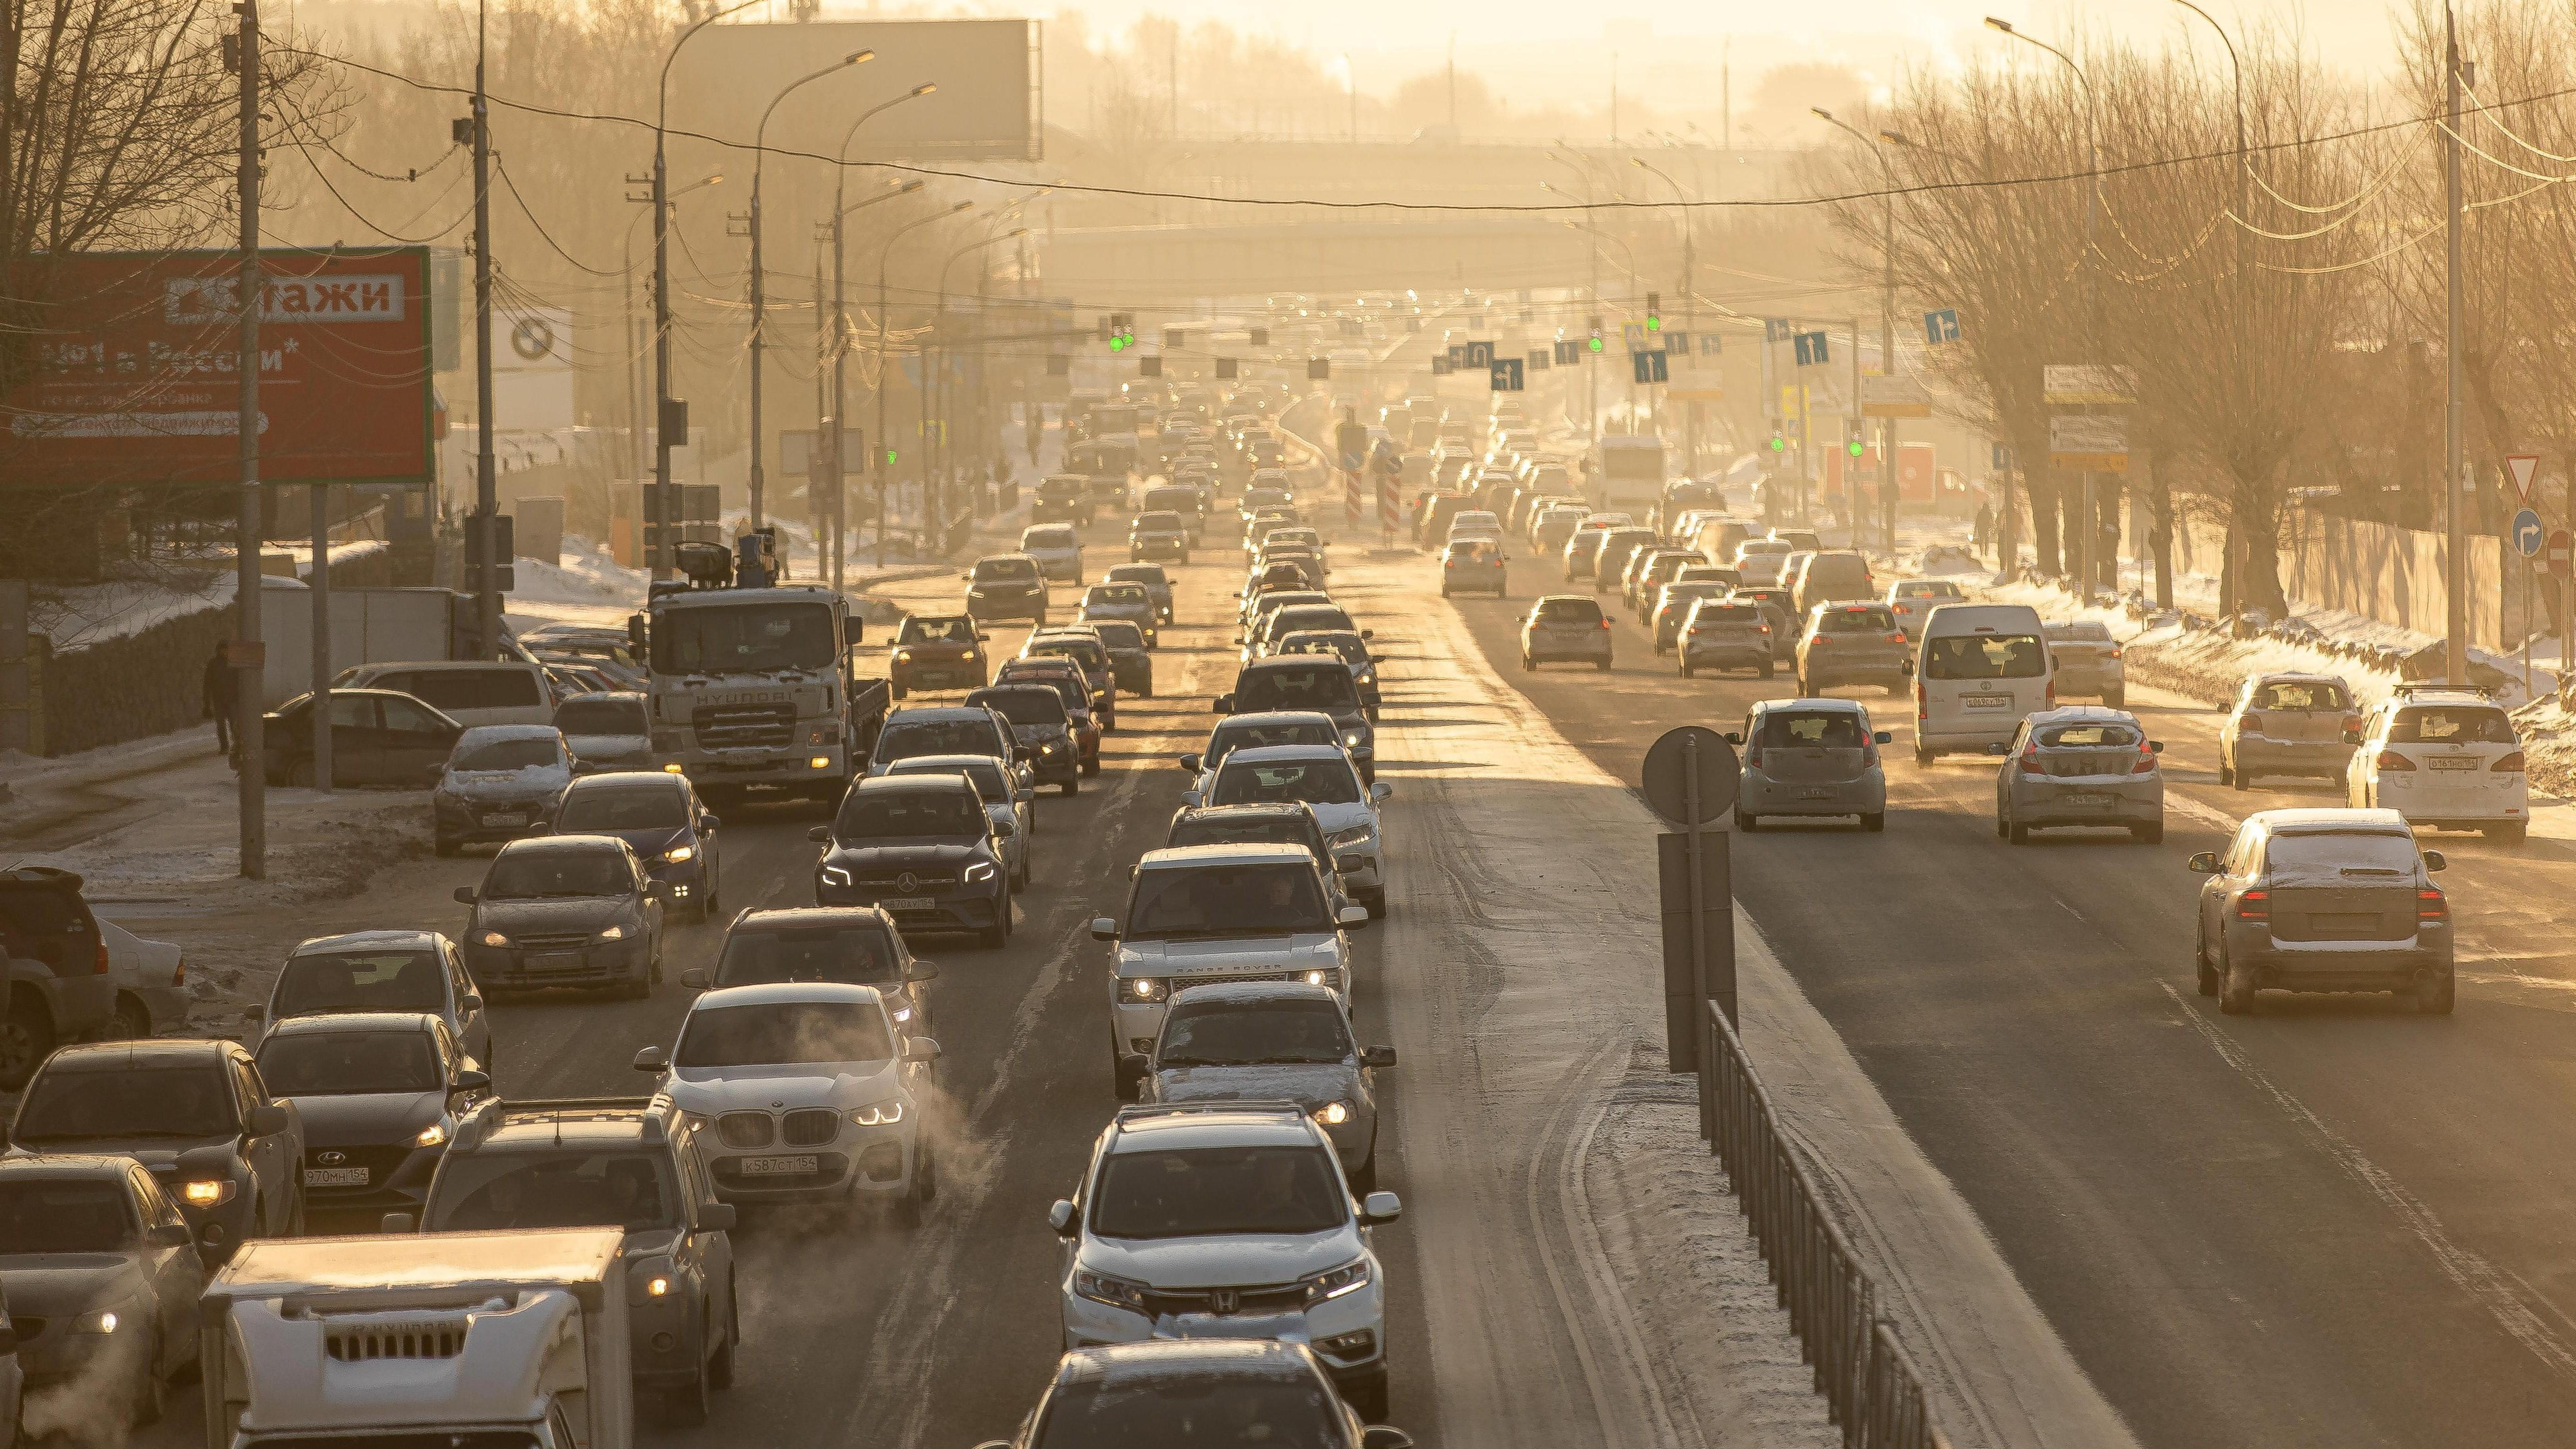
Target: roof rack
x,y
492,1113
1148,1110
2435,686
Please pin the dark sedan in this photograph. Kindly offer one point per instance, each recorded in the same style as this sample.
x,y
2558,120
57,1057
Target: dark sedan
x,y
661,816
855,945
921,847
1129,656
380,1094
1041,730
1006,586
565,910
101,1276
177,1107
1306,682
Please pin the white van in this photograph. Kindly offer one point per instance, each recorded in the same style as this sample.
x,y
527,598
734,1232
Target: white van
x,y
1978,672
468,691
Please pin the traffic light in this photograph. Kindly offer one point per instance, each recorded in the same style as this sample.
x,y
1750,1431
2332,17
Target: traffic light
x,y
1596,334
1778,444
1654,311
1852,443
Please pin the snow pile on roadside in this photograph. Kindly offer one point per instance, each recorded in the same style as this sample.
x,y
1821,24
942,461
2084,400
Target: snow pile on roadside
x,y
2209,664
587,575
2548,731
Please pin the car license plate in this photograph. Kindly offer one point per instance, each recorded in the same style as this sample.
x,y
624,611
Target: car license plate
x,y
510,818
905,903
777,1166
335,1177
1985,701
2088,799
1816,792
2453,762
2342,925
555,961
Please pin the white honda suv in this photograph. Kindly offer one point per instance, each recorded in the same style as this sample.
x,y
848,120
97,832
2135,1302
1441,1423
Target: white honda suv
x,y
1227,1220
2444,758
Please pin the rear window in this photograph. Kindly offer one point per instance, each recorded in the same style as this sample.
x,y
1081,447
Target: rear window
x,y
2444,724
2301,694
1814,729
1921,589
2358,852
1984,656
1858,621
1569,611
453,689
596,716
1028,705
1714,611
2087,736
527,753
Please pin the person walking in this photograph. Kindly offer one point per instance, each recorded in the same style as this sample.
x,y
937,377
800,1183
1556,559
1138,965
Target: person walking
x,y
222,690
1985,527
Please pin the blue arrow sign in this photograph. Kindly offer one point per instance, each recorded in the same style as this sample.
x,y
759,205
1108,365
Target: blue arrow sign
x,y
1941,326
2528,534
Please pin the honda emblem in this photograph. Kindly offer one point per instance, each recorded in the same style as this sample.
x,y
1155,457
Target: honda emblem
x,y
1224,1300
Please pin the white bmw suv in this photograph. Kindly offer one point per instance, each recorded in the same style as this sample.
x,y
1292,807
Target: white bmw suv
x,y
1227,1220
1201,914
803,1091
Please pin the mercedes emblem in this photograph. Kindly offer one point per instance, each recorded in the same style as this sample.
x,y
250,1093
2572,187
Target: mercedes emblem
x,y
907,882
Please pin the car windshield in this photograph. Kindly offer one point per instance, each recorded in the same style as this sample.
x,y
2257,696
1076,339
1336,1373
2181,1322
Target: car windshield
x,y
1345,647
982,771
1263,899
2358,852
860,953
519,875
1232,737
1984,656
1054,536
2086,737
1256,782
1813,729
597,715
749,638
1928,591
1005,570
1129,594
910,814
361,981
785,1033
1140,573
1218,1192
2441,724
505,1190
1254,1033
608,808
348,1063
525,753
935,737
1029,704
63,1215
937,631
1317,687
1159,521
2302,694
132,1102
1167,1404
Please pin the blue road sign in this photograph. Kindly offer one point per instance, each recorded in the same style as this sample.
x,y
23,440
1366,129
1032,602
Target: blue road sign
x,y
1650,366
1941,326
1775,329
2528,535
1505,372
2003,458
1812,351
1479,354
1569,353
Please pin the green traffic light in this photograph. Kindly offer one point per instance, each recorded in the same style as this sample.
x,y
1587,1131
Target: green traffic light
x,y
1778,445
889,457
1117,344
1853,448
1654,324
1596,344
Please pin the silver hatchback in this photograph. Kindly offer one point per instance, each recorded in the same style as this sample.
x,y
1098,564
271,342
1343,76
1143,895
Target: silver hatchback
x,y
1810,757
1566,628
2081,765
1725,634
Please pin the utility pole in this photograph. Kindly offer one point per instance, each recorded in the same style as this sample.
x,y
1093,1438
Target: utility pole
x,y
320,589
487,501
760,276
249,664
2455,471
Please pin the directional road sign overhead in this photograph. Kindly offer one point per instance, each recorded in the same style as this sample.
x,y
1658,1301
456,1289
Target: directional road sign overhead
x,y
1941,326
1812,351
1506,373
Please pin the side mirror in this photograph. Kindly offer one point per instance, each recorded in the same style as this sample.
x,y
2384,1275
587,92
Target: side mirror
x,y
1381,792
635,630
9,1346
1377,1056
1882,738
1224,704
1190,763
268,1121
655,890
1735,737
1999,749
1060,1218
968,576
260,1013
1104,928
717,1217
2436,860
1368,633
921,970
397,1223
819,834
983,638
2155,747
708,822
1351,916
437,773
2352,737
171,1235
465,895
1380,1207
652,1059
472,1080
697,978
1004,830
471,1003
921,1049
2204,863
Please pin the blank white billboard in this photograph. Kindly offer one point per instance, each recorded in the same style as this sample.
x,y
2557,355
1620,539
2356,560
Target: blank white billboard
x,y
987,105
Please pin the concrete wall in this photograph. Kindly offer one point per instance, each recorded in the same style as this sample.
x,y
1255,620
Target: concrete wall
x,y
2395,575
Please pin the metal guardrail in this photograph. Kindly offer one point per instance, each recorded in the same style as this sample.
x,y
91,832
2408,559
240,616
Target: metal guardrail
x,y
1870,1387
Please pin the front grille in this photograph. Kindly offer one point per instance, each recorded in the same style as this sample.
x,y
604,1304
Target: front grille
x,y
811,1127
746,726
436,1338
928,880
745,1129
1267,1298
572,941
1228,978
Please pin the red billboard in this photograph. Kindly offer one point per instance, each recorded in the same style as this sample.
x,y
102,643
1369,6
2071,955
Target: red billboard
x,y
136,368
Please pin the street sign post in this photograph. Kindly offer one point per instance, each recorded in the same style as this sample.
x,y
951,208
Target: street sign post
x,y
2089,442
1691,778
2559,553
2528,534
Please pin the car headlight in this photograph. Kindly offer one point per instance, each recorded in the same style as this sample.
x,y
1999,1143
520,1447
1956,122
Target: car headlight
x,y
612,933
208,1192
431,1135
657,1287
1356,835
1147,988
96,1322
1349,1278
979,872
903,656
1047,749
1355,739
1116,1292
835,875
1333,1114
881,1114
1365,676
679,853
490,938
1329,977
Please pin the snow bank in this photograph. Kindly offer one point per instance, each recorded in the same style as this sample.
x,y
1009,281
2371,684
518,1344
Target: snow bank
x,y
588,575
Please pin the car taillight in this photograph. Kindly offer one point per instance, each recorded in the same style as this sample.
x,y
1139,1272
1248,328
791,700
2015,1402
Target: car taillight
x,y
2254,906
98,957
1895,636
2510,764
1819,641
2051,696
1922,704
2352,724
2391,760
179,977
2146,761
2430,905
1753,755
1765,628
2030,761
1605,623
1868,753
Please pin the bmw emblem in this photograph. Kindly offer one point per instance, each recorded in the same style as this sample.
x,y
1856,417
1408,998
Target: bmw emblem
x,y
907,882
332,1159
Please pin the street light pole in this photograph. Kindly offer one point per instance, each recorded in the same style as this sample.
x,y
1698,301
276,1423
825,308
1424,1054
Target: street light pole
x,y
1887,499
841,319
759,277
885,363
2455,469
939,338
2253,376
661,521
1690,300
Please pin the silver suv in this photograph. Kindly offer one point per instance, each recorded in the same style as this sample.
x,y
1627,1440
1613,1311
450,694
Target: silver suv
x,y
1227,1219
